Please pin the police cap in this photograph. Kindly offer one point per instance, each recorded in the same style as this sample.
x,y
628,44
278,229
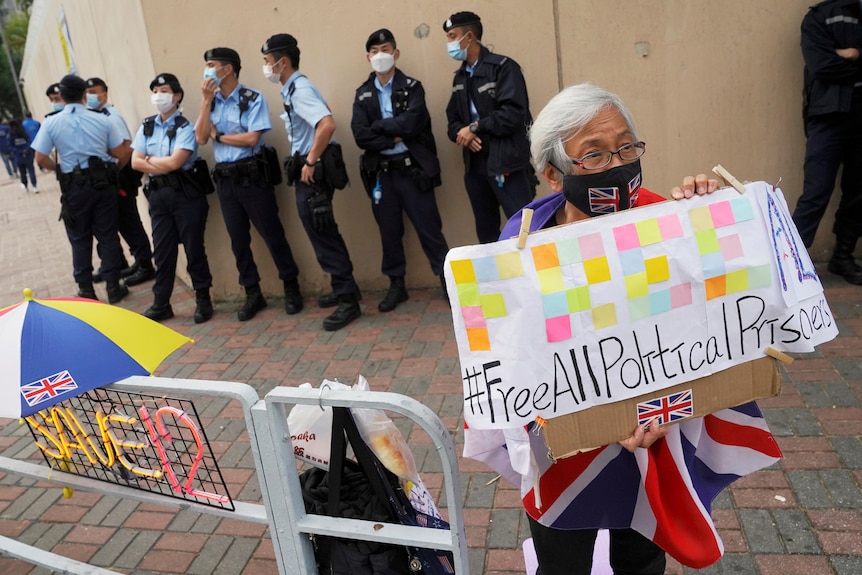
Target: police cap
x,y
167,80
52,89
72,82
461,19
223,55
278,43
93,82
379,37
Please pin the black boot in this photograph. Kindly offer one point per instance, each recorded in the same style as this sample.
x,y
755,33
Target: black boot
x,y
293,303
116,291
97,277
445,289
145,272
86,291
842,262
348,310
254,302
331,300
160,310
397,293
203,305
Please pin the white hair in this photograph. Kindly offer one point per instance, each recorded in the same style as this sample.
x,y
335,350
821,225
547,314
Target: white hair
x,y
564,117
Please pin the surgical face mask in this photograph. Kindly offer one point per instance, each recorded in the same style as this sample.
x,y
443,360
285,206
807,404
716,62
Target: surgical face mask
x,y
274,77
162,101
606,192
382,62
456,52
93,101
212,73
57,106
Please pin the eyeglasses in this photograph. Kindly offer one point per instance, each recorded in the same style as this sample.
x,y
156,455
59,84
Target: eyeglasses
x,y
598,160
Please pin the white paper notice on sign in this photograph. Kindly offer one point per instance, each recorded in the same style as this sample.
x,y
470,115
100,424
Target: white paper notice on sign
x,y
618,306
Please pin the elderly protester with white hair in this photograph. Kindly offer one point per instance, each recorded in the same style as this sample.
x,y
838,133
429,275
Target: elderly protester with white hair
x,y
585,145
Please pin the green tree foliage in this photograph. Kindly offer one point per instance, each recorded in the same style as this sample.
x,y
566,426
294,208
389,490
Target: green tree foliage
x,y
15,26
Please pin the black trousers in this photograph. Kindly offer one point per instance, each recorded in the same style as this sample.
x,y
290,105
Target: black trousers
x,y
487,195
401,195
131,228
329,247
179,217
243,204
834,140
95,215
570,552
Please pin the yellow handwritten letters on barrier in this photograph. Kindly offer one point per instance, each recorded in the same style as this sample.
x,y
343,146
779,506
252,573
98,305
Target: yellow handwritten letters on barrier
x,y
621,305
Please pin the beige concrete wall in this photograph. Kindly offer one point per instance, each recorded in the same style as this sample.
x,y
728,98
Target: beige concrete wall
x,y
721,84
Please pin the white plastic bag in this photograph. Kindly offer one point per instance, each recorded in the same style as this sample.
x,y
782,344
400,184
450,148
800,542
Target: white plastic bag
x,y
311,429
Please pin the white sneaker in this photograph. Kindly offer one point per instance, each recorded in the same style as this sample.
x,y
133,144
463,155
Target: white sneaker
x,y
35,190
23,187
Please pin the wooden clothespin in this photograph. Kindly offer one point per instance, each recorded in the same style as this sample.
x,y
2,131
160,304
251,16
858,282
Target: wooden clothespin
x,y
780,356
728,178
526,220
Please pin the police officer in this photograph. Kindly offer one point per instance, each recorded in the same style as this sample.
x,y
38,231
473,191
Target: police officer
x,y
488,115
236,117
399,167
86,141
128,218
57,103
165,149
310,126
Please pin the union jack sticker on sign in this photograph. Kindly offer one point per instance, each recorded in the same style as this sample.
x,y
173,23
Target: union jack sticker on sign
x,y
48,387
667,409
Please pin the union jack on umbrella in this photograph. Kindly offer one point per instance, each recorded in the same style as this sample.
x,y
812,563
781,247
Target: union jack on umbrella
x,y
53,349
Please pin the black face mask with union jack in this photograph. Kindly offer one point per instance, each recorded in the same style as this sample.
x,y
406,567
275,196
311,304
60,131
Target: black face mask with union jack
x,y
605,192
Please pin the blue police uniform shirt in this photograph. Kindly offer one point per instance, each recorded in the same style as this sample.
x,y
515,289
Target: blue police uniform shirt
x,y
117,120
77,133
384,96
159,145
307,108
227,119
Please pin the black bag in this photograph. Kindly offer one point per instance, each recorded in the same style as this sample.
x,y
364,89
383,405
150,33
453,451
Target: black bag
x,y
334,169
271,164
200,176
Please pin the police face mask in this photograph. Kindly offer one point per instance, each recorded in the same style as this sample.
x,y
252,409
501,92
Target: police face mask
x,y
605,192
274,77
456,52
382,62
162,101
213,73
57,106
93,101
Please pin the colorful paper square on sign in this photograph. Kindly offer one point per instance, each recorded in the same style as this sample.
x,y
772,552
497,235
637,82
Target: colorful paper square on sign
x,y
462,271
713,265
670,226
659,302
509,265
759,277
657,269
473,316
486,269
550,280
468,294
569,251
632,261
715,287
700,219
591,246
680,295
737,281
604,316
558,328
477,339
578,298
722,214
731,247
493,305
707,241
742,211
639,308
597,270
626,237
545,256
555,304
637,285
648,232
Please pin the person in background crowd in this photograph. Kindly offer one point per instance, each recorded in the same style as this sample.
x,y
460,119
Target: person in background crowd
x,y
6,150
22,154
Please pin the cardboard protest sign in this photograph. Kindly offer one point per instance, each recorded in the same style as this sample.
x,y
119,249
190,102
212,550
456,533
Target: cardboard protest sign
x,y
619,306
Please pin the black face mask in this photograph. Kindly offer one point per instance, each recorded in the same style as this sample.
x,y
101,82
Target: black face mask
x,y
605,192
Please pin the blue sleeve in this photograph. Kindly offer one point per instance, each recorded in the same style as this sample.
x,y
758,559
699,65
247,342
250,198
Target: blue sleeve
x,y
120,123
43,143
258,115
185,139
140,142
308,105
115,137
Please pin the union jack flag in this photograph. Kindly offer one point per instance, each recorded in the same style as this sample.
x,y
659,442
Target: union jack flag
x,y
48,388
604,200
634,189
667,409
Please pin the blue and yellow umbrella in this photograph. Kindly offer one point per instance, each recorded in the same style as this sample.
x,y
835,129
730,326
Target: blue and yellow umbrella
x,y
53,349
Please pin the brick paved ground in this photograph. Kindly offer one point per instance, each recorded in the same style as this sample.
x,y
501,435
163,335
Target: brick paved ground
x,y
801,516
